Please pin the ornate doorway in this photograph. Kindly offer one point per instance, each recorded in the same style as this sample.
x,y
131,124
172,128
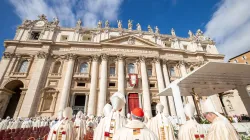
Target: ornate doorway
x,y
9,100
133,101
79,103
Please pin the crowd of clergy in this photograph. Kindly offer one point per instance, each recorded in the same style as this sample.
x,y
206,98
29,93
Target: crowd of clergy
x,y
137,125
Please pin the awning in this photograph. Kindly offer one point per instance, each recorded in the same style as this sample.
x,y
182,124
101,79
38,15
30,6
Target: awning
x,y
211,78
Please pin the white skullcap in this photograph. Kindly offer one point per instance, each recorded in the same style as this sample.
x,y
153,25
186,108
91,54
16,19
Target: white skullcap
x,y
118,101
67,113
189,110
208,107
159,107
107,109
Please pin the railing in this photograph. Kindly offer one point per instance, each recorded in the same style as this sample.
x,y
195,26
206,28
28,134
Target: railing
x,y
19,74
81,75
55,75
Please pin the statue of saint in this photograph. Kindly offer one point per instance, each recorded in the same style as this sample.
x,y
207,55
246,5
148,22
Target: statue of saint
x,y
119,22
150,29
173,32
106,24
99,24
55,21
130,24
190,34
79,23
199,32
157,30
138,27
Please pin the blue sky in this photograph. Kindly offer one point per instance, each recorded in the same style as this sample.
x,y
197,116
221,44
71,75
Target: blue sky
x,y
226,21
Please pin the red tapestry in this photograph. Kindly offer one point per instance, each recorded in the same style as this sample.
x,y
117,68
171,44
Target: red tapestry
x,y
133,101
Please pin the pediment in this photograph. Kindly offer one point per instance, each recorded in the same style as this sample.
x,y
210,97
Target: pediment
x,y
130,40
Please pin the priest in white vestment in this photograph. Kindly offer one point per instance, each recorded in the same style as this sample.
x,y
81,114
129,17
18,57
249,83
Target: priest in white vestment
x,y
99,131
135,129
161,125
191,130
64,129
16,124
26,123
5,123
79,126
221,128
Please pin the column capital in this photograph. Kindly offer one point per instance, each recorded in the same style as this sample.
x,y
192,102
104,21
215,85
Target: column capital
x,y
156,60
42,55
7,55
142,59
181,62
104,57
95,57
165,61
120,56
71,56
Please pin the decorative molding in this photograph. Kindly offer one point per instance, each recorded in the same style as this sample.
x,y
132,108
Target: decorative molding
x,y
104,57
156,60
142,59
120,56
8,55
42,55
95,57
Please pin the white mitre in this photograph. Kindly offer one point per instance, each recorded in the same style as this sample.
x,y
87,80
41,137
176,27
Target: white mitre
x,y
107,109
67,113
118,101
189,110
159,108
208,107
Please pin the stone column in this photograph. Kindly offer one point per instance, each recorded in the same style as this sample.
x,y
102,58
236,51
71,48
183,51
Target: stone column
x,y
93,87
20,102
86,104
5,96
5,64
140,99
145,87
188,99
72,100
167,82
161,86
67,81
121,78
30,101
178,103
103,85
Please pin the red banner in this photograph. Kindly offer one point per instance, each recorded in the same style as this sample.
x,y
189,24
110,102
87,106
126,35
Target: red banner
x,y
133,80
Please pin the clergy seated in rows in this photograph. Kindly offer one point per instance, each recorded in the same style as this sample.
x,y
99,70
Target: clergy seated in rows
x,y
221,128
64,129
114,120
135,129
191,130
161,125
80,126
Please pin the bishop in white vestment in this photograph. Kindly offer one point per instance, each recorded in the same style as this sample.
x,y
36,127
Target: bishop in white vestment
x,y
161,125
221,128
135,129
79,126
191,130
64,129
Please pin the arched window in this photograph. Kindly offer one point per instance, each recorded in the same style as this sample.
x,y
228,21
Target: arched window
x,y
112,69
56,67
84,68
172,71
149,70
24,67
131,68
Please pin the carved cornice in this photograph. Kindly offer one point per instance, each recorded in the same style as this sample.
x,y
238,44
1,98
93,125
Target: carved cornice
x,y
8,55
71,56
42,55
104,57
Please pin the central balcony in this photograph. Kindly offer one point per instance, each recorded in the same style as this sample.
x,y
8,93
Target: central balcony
x,y
81,76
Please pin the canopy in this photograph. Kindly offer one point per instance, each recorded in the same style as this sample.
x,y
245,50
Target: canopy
x,y
211,78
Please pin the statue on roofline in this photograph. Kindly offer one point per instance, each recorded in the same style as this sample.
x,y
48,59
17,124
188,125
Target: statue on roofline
x,y
173,32
99,24
130,24
119,22
150,29
106,24
157,30
138,27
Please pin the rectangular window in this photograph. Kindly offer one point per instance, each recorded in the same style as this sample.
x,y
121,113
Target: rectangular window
x,y
35,35
112,71
149,72
151,85
204,48
81,84
64,38
111,84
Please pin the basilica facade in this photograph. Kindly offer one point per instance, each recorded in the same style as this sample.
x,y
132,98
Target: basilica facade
x,y
46,67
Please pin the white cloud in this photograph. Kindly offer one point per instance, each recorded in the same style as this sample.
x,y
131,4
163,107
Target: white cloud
x,y
69,11
230,27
